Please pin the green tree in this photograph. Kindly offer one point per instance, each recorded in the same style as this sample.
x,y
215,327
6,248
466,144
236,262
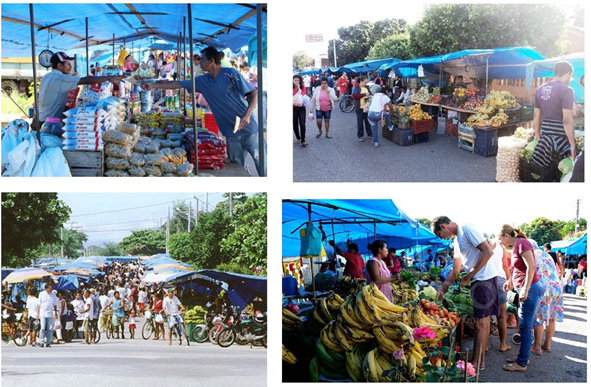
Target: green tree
x,y
211,228
542,230
234,268
424,221
301,60
144,242
73,243
110,249
355,41
179,219
568,230
181,247
28,221
247,245
452,27
394,46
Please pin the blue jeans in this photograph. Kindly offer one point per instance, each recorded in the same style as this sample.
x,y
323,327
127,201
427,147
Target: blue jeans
x,y
527,314
362,121
239,146
46,330
374,120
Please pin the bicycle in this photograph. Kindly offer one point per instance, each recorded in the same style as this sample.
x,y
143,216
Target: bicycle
x,y
180,330
149,326
14,331
109,329
347,103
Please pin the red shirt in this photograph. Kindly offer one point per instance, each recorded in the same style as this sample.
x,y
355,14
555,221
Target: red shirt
x,y
343,85
518,265
583,265
354,266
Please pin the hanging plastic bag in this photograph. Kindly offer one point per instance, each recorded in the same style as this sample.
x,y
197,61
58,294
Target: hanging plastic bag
x,y
22,159
52,163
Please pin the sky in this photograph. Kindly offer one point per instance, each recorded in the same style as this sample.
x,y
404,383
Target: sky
x,y
110,217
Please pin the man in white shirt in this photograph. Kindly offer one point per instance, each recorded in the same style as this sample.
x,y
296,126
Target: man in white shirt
x,y
473,253
78,304
33,309
104,300
87,313
47,311
170,306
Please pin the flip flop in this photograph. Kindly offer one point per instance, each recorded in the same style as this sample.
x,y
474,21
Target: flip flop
x,y
508,349
319,135
304,144
536,353
511,368
546,349
328,136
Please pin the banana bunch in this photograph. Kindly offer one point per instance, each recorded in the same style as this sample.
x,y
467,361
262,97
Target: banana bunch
x,y
328,308
347,285
402,293
290,320
330,363
375,364
354,363
288,356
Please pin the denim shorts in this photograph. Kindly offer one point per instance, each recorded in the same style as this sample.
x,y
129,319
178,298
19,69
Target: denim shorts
x,y
320,114
502,293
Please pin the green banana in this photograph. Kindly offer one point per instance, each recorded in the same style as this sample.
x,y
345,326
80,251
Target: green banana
x,y
314,369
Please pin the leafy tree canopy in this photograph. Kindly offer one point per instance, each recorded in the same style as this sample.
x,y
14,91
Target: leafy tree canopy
x,y
301,60
394,46
144,242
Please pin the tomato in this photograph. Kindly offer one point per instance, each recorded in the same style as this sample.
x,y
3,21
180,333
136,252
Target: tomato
x,y
423,301
433,306
441,314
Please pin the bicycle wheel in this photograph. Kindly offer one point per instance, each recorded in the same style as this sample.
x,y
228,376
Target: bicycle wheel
x,y
347,104
147,330
97,336
185,335
226,338
179,333
199,333
20,337
213,333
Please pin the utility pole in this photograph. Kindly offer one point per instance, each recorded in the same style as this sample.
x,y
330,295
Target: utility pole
x,y
231,205
206,203
196,209
168,230
62,238
577,222
189,219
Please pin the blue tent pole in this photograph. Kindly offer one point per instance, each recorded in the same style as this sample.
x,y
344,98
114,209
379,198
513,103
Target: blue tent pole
x,y
34,54
262,158
195,144
113,49
87,59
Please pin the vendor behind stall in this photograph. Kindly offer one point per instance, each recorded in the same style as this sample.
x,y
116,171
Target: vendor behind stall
x,y
54,88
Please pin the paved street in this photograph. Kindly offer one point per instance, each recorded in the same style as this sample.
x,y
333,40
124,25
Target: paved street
x,y
344,159
134,363
566,363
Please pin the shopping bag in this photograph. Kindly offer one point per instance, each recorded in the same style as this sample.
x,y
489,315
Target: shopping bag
x,y
57,325
52,163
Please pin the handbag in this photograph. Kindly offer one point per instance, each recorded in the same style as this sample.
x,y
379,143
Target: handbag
x,y
513,298
57,325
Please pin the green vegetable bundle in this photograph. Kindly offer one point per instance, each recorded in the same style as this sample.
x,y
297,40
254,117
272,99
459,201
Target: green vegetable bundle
x,y
196,315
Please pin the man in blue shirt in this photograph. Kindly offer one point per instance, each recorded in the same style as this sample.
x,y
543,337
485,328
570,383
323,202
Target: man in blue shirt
x,y
229,96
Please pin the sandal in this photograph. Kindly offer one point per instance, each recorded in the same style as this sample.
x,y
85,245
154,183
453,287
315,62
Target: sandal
x,y
304,144
328,136
298,142
319,134
512,368
507,349
536,353
514,360
546,349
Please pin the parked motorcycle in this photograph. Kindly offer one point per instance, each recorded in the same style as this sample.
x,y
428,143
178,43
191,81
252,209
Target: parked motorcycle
x,y
247,330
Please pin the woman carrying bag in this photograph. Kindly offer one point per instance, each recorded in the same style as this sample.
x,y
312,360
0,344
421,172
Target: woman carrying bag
x,y
323,103
526,282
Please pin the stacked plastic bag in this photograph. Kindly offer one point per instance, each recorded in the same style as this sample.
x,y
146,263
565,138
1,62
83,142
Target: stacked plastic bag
x,y
212,149
119,144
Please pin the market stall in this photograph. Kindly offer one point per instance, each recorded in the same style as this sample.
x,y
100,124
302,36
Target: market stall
x,y
349,330
118,129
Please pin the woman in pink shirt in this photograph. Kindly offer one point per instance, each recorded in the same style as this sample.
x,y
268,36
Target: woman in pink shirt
x,y
323,103
376,270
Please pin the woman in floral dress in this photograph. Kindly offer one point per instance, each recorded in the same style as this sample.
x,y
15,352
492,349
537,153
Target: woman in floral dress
x,y
550,310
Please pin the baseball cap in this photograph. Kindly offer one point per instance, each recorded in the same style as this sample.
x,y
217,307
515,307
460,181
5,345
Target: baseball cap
x,y
196,56
60,57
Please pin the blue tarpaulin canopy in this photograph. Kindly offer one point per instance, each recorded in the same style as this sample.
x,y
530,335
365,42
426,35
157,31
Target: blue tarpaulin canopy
x,y
67,282
76,265
369,66
571,246
61,27
355,220
545,68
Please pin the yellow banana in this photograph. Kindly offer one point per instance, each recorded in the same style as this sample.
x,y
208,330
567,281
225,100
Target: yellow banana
x,y
426,318
347,318
318,317
354,366
411,363
288,356
338,299
324,312
417,347
363,313
328,341
417,355
372,368
386,344
341,337
407,331
291,316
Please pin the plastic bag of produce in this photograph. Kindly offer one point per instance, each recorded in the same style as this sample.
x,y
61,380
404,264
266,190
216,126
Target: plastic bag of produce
x,y
137,159
152,147
116,163
117,137
154,159
565,165
184,169
132,129
152,170
168,175
90,96
166,154
137,171
116,150
168,167
528,152
116,173
140,147
165,144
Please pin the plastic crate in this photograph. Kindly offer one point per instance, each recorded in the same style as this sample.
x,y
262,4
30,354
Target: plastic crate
x,y
526,113
387,134
210,123
486,142
514,115
421,137
507,130
403,137
451,126
531,172
422,126
465,129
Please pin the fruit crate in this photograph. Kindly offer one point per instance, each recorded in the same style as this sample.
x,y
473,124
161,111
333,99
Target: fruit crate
x,y
421,137
421,126
85,163
451,126
487,142
464,129
507,130
514,115
387,134
531,172
526,113
403,137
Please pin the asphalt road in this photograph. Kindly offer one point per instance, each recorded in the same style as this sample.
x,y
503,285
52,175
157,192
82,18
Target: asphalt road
x,y
134,363
566,363
344,159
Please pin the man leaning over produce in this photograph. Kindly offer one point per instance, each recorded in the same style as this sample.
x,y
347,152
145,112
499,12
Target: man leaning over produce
x,y
54,87
230,97
473,253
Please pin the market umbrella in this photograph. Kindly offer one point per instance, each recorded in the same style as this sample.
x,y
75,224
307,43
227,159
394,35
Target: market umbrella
x,y
171,266
30,273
